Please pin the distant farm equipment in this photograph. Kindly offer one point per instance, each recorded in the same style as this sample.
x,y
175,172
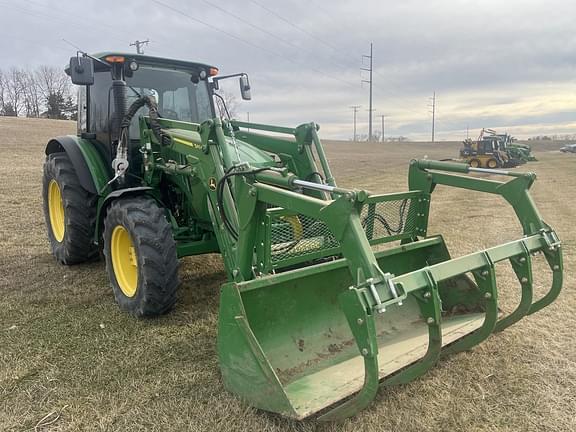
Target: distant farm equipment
x,y
521,152
493,150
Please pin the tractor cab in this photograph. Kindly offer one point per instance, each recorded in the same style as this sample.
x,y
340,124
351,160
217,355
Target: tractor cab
x,y
183,91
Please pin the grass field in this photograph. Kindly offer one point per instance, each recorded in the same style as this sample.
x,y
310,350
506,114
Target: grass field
x,y
65,348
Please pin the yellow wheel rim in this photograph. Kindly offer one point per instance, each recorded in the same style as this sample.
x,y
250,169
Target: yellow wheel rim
x,y
124,261
56,210
296,225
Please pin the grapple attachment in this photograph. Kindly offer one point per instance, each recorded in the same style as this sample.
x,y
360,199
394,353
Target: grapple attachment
x,y
334,310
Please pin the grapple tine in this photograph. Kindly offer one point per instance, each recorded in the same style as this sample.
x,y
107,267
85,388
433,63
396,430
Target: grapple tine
x,y
429,302
486,281
522,266
364,330
554,257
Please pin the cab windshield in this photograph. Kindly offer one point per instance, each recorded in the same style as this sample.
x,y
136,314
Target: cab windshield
x,y
178,97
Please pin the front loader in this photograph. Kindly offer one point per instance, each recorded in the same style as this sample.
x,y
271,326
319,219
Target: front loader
x,y
332,293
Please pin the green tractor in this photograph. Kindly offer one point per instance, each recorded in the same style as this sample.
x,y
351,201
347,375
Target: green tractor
x,y
316,315
519,152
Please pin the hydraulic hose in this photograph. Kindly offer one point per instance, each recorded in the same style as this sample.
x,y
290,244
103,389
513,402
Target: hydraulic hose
x,y
121,162
119,95
150,102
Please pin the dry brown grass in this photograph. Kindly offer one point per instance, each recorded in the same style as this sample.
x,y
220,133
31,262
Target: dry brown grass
x,y
64,343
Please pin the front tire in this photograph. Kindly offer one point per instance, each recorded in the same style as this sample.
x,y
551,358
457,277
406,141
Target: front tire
x,y
69,210
141,258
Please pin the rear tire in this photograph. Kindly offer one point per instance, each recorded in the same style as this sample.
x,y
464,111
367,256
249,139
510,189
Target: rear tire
x,y
69,210
141,258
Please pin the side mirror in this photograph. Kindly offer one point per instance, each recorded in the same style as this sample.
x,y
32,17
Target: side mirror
x,y
81,70
245,87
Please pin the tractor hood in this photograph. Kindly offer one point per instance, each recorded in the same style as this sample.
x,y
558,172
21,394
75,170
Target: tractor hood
x,y
247,152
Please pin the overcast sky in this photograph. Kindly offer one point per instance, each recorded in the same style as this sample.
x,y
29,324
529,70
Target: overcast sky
x,y
508,65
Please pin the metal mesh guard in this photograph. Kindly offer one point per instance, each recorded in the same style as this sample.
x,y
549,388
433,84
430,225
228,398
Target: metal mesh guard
x,y
296,235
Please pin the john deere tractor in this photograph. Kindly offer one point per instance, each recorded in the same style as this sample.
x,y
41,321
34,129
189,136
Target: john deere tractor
x,y
332,292
520,152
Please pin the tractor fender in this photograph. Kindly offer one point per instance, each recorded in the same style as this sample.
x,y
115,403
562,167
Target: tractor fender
x,y
87,162
112,196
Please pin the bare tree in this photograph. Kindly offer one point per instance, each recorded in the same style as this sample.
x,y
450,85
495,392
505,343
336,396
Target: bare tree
x,y
2,92
45,91
13,92
54,88
31,94
230,102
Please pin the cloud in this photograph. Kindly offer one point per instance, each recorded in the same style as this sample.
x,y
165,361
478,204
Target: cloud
x,y
491,63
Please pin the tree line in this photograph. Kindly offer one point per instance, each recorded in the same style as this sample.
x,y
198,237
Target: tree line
x,y
566,137
44,91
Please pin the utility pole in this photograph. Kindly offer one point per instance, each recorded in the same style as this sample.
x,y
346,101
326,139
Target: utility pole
x,y
382,118
140,45
433,114
355,108
369,81
467,132
248,118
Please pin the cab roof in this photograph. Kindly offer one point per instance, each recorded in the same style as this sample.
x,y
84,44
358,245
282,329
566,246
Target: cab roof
x,y
155,61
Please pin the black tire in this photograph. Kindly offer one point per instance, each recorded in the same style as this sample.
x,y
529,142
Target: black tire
x,y
154,252
493,163
79,206
474,163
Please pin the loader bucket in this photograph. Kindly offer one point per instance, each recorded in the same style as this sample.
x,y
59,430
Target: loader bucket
x,y
308,340
287,346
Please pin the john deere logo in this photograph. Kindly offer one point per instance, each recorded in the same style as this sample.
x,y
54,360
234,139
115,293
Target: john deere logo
x,y
212,183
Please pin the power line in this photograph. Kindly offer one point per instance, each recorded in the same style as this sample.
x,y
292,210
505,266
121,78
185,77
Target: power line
x,y
268,33
58,16
245,21
344,54
287,21
339,22
253,45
